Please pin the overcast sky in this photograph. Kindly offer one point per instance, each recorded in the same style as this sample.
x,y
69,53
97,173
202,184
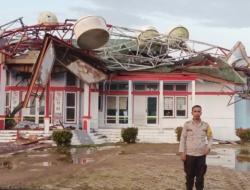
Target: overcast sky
x,y
220,22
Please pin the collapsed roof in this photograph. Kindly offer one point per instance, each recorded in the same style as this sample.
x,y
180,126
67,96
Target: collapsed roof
x,y
127,50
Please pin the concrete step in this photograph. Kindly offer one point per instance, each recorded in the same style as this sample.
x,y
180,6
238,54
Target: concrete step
x,y
150,135
8,136
7,131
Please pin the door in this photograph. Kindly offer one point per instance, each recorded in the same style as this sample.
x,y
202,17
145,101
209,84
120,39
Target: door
x,y
70,112
140,111
145,111
151,110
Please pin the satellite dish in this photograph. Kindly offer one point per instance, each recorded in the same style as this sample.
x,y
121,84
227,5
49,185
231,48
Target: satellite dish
x,y
148,32
237,57
177,35
91,32
47,18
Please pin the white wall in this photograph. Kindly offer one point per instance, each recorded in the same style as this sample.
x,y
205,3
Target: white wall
x,y
216,111
94,110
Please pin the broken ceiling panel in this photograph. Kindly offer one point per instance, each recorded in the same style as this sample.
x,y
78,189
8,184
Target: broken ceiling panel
x,y
85,72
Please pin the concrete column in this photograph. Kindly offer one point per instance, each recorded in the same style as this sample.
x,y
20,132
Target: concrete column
x,y
47,107
46,124
86,109
161,104
193,93
2,91
130,104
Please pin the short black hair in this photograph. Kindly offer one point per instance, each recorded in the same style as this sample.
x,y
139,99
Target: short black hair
x,y
196,106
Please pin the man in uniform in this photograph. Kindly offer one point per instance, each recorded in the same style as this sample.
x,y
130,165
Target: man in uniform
x,y
193,148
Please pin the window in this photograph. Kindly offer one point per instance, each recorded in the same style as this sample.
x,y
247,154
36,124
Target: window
x,y
123,110
116,86
139,87
70,107
113,87
175,87
181,87
168,87
169,106
100,103
111,109
151,87
123,86
175,106
147,87
32,105
181,106
117,110
35,111
70,79
8,76
7,103
41,106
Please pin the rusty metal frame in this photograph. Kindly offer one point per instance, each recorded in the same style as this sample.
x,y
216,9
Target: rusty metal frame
x,y
36,71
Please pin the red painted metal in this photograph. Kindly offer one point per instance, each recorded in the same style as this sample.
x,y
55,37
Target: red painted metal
x,y
115,92
2,119
147,93
176,93
51,88
215,93
142,76
31,37
118,92
85,126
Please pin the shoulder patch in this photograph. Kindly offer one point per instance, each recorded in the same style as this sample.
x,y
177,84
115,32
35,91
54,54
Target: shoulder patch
x,y
209,132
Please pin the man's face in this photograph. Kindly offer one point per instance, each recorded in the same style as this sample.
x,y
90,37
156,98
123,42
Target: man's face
x,y
196,112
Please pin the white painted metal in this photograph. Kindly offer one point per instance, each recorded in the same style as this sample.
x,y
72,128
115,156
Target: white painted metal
x,y
130,103
91,32
161,103
124,53
2,89
86,104
193,93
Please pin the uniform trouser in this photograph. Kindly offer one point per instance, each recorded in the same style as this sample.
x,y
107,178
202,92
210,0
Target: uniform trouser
x,y
195,166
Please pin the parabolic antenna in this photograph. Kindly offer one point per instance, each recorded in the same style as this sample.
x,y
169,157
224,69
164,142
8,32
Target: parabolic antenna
x,y
177,34
91,32
148,33
47,18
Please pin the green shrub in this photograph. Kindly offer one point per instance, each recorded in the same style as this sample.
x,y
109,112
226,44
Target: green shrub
x,y
62,137
129,134
10,123
178,131
244,134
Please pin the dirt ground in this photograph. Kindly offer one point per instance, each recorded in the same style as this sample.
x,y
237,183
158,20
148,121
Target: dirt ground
x,y
125,167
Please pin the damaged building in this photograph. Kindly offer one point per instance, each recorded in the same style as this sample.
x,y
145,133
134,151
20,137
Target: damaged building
x,y
98,78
